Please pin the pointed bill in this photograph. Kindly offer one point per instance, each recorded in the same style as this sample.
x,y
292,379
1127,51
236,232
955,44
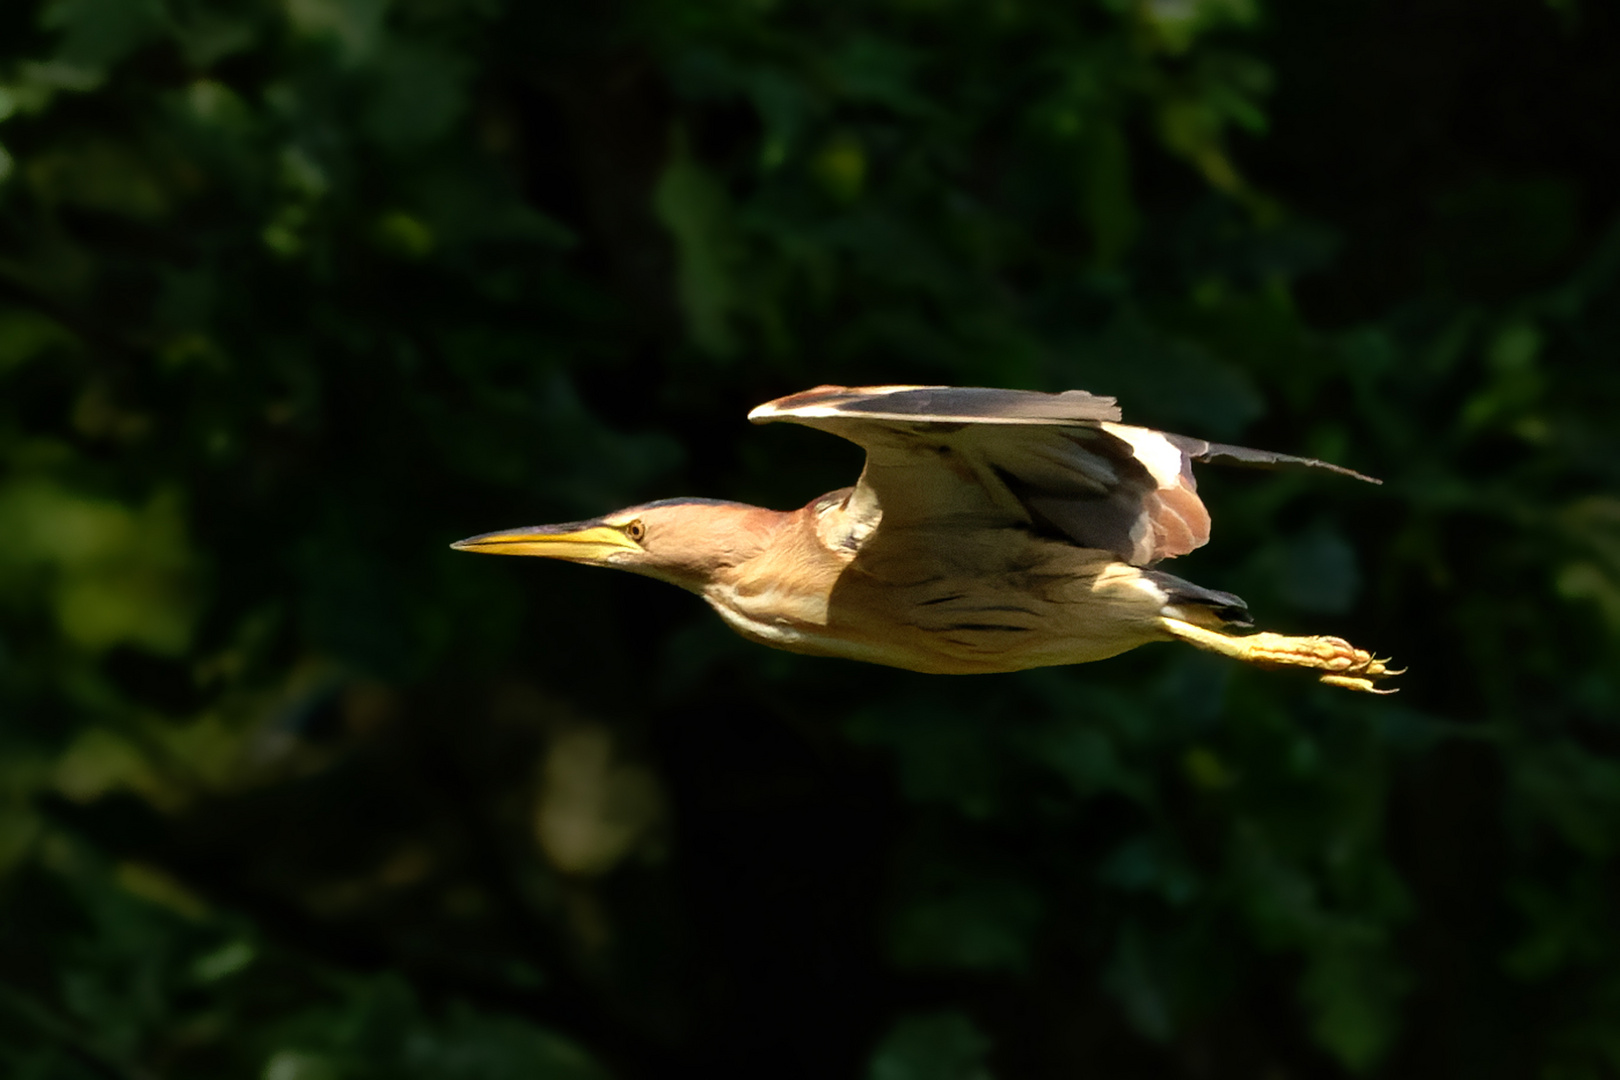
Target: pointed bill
x,y
577,541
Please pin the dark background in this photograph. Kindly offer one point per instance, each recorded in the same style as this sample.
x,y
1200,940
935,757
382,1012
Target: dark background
x,y
293,294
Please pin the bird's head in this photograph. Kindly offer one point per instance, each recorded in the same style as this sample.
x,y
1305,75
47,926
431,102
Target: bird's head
x,y
686,542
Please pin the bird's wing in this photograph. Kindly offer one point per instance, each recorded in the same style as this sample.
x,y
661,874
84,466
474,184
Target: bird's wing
x,y
1017,457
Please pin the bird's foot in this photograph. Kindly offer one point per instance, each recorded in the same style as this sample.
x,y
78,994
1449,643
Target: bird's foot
x,y
1339,662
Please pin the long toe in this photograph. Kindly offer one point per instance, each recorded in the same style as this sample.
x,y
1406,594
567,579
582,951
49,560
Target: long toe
x,y
1340,663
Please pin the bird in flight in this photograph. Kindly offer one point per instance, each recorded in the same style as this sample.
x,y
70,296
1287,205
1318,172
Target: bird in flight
x,y
991,530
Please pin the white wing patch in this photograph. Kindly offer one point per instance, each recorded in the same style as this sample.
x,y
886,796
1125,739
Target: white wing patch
x,y
1162,457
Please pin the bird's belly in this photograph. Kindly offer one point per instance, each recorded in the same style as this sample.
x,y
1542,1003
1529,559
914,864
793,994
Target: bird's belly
x,y
950,624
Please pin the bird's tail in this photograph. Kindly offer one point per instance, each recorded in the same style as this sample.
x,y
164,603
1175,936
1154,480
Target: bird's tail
x,y
1198,605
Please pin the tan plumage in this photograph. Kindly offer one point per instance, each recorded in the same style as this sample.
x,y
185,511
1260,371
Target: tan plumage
x,y
991,530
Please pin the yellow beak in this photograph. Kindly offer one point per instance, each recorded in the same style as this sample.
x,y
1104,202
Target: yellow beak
x,y
580,541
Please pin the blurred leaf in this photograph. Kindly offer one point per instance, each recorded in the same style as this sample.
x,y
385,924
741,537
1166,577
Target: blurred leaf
x,y
692,206
840,165
416,94
295,1065
25,335
1593,524
878,70
982,924
386,1033
1132,979
1354,991
1084,756
98,33
1110,209
1575,792
114,574
1144,864
98,174
1179,22
1566,926
593,810
931,1046
355,25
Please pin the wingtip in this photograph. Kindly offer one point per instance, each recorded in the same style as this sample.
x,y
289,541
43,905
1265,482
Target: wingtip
x,y
1328,466
777,408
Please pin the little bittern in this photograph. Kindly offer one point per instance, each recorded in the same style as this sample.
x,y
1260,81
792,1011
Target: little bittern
x,y
991,530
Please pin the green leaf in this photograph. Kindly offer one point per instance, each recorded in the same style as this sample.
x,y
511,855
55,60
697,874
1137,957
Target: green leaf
x,y
979,924
417,92
1354,990
693,207
931,1046
96,34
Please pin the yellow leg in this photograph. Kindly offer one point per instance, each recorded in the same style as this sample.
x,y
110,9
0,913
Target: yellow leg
x,y
1340,663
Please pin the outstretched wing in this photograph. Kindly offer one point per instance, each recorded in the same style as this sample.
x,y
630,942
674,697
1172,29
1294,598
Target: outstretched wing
x,y
1058,461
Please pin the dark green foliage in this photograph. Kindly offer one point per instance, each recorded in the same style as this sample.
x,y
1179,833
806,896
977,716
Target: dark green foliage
x,y
294,293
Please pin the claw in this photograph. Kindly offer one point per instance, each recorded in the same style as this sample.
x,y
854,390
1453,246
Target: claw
x,y
1354,682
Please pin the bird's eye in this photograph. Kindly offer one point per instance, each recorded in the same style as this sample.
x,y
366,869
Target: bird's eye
x,y
635,530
